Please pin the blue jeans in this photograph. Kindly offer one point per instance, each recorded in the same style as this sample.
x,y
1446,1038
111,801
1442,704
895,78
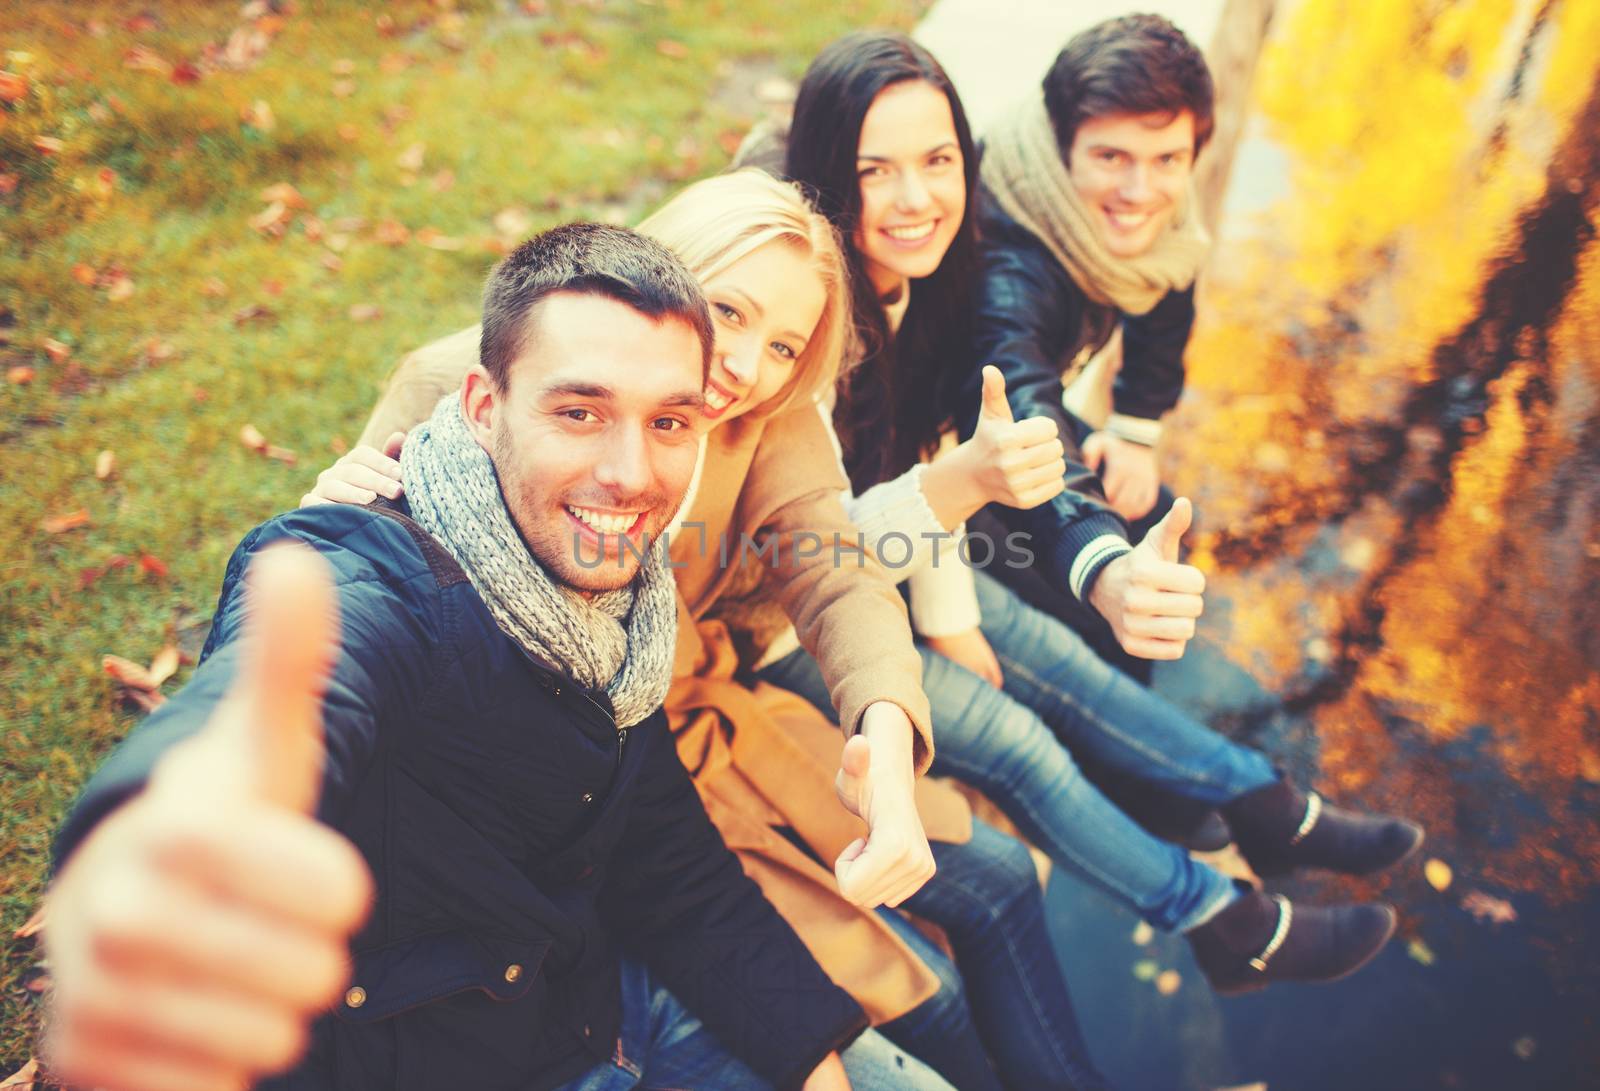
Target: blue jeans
x,y
1013,744
663,1047
986,896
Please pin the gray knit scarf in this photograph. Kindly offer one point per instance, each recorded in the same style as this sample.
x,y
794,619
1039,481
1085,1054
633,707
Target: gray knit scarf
x,y
1022,168
620,641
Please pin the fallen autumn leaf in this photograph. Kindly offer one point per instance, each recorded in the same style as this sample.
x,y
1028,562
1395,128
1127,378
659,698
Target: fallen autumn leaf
x,y
105,464
60,524
1486,907
1438,874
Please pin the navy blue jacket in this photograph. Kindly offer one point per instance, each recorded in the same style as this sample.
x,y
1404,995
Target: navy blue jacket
x,y
1030,317
520,843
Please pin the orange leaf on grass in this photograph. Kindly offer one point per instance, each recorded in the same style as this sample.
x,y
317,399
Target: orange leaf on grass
x,y
48,145
105,464
26,1078
164,665
252,438
9,181
152,566
669,48
33,927
128,673
213,287
283,193
514,222
271,220
331,261
411,158
391,232
255,312
13,88
185,72
60,524
365,312
436,240
85,275
258,115
120,288
144,59
55,349
281,454
21,375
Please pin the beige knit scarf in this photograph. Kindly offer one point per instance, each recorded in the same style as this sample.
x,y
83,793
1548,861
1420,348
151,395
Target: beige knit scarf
x,y
1022,168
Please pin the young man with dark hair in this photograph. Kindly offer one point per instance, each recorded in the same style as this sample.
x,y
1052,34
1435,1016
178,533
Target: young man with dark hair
x,y
1088,225
444,739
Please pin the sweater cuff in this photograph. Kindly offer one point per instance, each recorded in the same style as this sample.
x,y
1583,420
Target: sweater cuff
x,y
898,507
1091,559
1140,430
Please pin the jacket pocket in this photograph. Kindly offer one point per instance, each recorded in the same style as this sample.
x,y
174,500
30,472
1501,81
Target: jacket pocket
x,y
444,1010
404,975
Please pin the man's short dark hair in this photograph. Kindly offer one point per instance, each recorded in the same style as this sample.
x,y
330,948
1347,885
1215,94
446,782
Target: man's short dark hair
x,y
1133,64
590,259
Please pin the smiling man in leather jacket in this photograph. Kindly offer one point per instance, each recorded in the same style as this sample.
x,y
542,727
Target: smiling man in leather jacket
x,y
424,781
1088,224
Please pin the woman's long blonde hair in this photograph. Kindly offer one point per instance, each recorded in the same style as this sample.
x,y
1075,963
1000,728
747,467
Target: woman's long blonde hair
x,y
719,220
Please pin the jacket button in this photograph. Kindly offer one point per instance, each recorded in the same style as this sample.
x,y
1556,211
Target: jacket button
x,y
587,1032
513,972
587,797
356,997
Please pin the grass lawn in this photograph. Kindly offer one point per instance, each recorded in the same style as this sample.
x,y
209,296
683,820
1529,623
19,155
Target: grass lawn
x,y
215,216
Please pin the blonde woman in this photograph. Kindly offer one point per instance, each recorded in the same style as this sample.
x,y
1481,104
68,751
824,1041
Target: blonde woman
x,y
765,512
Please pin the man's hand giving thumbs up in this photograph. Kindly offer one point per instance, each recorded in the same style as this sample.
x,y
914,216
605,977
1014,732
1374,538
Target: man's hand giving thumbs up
x,y
202,926
1151,599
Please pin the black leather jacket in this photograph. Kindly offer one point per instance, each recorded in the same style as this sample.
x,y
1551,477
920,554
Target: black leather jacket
x,y
1030,319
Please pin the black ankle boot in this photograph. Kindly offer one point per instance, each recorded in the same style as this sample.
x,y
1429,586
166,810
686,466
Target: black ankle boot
x,y
1279,828
1260,939
1210,834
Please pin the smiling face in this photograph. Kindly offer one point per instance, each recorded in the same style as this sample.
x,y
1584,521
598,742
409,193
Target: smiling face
x,y
1131,171
765,307
913,190
594,436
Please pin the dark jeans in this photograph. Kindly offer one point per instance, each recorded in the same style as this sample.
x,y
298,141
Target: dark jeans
x,y
1162,812
661,1045
986,896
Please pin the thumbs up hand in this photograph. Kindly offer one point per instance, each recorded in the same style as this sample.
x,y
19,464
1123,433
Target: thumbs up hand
x,y
1147,596
876,783
204,924
1017,463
